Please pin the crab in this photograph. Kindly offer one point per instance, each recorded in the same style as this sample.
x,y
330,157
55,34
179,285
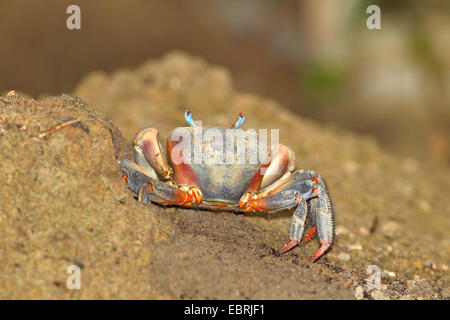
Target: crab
x,y
266,185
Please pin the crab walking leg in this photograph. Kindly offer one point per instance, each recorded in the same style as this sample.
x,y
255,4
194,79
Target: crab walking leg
x,y
149,189
298,224
282,194
321,214
306,191
309,235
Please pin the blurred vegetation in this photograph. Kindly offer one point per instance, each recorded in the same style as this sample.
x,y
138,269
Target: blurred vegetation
x,y
316,57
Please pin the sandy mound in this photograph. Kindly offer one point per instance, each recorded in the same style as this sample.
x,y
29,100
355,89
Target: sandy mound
x,y
63,202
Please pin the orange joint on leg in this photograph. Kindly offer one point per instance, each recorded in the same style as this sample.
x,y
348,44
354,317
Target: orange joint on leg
x,y
184,201
244,200
251,202
125,179
192,196
255,205
149,188
196,195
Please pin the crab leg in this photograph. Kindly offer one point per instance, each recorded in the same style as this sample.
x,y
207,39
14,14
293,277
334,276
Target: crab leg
x,y
147,188
298,224
309,194
321,213
293,243
309,235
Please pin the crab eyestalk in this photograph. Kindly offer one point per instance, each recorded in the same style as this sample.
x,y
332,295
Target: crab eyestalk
x,y
189,118
239,121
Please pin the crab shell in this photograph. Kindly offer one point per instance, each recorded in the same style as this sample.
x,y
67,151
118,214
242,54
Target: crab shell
x,y
225,164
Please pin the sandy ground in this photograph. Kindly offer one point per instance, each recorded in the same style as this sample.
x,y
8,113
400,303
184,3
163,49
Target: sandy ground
x,y
63,202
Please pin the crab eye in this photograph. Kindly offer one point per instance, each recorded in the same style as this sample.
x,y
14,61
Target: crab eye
x,y
189,118
239,121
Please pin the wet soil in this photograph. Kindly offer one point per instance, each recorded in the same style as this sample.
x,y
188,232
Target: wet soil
x,y
63,202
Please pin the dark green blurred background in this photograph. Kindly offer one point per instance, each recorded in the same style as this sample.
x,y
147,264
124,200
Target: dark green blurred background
x,y
315,57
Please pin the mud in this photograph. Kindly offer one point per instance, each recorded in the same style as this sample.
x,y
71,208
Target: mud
x,y
63,202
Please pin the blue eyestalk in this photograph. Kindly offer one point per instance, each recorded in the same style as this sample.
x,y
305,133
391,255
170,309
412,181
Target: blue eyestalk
x,y
189,118
239,121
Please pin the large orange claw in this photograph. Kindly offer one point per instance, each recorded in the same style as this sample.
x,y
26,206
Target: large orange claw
x,y
190,197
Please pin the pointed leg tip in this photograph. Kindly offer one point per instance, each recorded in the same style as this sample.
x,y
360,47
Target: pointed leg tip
x,y
320,252
289,246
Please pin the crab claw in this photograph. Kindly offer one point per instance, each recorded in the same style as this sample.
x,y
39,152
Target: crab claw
x,y
148,153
